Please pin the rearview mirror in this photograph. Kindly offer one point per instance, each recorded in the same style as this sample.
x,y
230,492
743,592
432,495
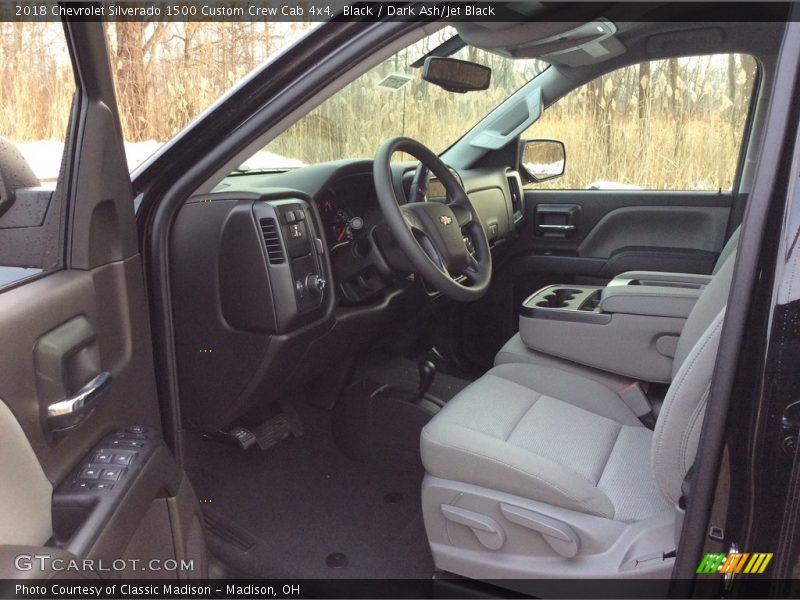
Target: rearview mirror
x,y
455,75
543,159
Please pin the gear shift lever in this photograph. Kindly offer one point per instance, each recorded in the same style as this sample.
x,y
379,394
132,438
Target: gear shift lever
x,y
427,372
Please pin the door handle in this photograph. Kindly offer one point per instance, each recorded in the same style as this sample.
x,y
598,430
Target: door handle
x,y
67,413
557,220
560,228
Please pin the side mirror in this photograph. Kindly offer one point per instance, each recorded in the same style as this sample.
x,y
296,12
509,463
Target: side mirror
x,y
543,159
456,75
15,174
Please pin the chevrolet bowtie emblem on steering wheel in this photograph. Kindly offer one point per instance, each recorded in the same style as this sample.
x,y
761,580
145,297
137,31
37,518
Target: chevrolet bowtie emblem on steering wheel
x,y
445,220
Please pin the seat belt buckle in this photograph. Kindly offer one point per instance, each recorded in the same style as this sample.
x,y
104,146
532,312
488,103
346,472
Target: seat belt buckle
x,y
633,395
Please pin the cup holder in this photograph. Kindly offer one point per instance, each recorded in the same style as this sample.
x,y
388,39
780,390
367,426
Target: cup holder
x,y
559,298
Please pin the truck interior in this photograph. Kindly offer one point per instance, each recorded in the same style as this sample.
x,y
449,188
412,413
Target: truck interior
x,y
431,361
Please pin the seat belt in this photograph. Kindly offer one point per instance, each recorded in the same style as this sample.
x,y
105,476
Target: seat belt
x,y
634,397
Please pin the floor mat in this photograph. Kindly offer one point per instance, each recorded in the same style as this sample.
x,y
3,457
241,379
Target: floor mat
x,y
303,501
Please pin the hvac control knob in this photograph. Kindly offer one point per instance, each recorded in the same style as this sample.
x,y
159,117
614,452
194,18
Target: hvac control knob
x,y
315,284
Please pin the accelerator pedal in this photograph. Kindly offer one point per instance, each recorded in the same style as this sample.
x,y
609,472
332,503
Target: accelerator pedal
x,y
278,428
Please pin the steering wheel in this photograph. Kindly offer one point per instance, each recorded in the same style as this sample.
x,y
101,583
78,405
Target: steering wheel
x,y
445,242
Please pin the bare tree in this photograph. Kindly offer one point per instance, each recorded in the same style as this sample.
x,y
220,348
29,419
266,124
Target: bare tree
x,y
643,100
133,70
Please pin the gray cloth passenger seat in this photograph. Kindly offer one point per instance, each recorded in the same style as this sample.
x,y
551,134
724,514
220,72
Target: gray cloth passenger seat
x,y
536,470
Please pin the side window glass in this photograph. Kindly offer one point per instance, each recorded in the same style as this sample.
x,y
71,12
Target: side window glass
x,y
167,73
674,124
36,95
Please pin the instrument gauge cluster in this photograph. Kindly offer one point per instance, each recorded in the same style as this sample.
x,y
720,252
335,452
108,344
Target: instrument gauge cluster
x,y
344,209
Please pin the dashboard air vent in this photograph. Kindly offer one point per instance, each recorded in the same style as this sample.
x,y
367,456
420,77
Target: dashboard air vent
x,y
272,239
515,187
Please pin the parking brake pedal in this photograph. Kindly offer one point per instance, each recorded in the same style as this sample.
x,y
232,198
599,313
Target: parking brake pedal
x,y
278,428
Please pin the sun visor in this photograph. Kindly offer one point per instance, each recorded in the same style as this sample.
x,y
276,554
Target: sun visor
x,y
506,37
569,43
587,54
538,21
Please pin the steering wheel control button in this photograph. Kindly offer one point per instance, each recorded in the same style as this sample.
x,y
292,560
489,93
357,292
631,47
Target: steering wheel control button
x,y
89,473
468,243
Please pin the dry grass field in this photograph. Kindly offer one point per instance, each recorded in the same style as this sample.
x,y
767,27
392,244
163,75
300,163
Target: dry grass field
x,y
675,125
694,154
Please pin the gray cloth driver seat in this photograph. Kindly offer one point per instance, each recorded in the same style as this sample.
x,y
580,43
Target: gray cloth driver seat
x,y
535,471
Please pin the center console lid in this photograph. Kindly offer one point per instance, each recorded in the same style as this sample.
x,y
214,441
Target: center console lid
x,y
649,300
663,279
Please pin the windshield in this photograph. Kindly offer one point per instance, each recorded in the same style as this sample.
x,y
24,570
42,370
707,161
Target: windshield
x,y
392,99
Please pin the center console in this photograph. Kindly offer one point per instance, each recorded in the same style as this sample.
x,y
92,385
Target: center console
x,y
630,327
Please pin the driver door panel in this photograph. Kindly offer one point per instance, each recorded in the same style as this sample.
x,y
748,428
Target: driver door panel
x,y
77,334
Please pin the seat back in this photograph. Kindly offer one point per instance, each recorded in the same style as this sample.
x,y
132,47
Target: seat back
x,y
727,250
677,431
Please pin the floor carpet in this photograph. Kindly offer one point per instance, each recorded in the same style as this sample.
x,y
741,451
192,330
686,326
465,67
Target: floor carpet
x,y
302,501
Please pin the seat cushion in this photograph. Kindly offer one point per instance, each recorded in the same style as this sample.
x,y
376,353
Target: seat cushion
x,y
548,435
515,351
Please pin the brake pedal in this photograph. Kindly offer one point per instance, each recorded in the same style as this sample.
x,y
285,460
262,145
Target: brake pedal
x,y
243,437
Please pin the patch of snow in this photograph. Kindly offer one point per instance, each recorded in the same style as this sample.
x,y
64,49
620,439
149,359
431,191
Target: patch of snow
x,y
545,169
269,160
138,152
44,157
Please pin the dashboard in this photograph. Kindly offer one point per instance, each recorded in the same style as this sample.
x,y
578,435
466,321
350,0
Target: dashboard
x,y
362,254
